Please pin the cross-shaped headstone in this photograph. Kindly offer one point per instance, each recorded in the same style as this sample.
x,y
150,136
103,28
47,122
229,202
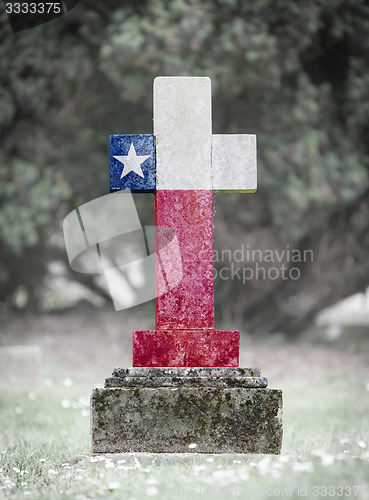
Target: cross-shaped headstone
x,y
183,163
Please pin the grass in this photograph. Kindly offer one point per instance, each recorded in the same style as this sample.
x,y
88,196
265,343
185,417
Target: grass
x,y
325,451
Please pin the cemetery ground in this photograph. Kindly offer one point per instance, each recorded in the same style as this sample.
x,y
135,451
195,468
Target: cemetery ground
x,y
43,426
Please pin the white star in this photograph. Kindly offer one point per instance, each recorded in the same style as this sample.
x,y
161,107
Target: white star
x,y
132,162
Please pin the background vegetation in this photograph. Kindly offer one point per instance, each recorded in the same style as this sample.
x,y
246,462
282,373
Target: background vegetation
x,y
294,73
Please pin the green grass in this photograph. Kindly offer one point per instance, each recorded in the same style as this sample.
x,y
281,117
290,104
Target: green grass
x,y
323,424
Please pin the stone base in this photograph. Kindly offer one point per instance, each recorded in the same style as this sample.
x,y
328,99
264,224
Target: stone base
x,y
228,413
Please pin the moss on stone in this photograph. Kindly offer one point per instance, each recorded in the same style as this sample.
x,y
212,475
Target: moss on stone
x,y
167,420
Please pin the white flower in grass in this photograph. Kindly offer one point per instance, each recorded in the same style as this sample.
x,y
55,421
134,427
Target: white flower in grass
x,y
94,459
361,444
124,467
42,460
84,402
243,474
52,472
327,460
85,413
152,491
275,473
341,456
48,382
114,485
18,410
264,464
26,492
210,459
67,382
199,467
109,465
192,446
15,469
277,465
32,396
65,403
121,461
344,440
318,453
8,483
303,467
220,474
152,480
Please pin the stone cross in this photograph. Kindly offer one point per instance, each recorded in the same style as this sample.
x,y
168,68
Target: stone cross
x,y
183,163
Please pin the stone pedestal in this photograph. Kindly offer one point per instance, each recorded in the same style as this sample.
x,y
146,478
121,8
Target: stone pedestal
x,y
165,410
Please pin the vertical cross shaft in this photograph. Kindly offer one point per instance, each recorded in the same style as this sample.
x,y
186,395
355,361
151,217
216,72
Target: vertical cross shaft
x,y
183,198
191,304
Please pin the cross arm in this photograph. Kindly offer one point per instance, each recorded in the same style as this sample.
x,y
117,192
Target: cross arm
x,y
183,154
234,163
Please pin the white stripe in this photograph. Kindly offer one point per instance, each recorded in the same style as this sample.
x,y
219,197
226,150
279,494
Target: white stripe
x,y
182,126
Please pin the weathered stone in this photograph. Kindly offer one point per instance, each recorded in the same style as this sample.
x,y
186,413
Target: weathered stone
x,y
182,126
252,382
207,347
217,420
166,409
189,305
234,162
186,377
172,371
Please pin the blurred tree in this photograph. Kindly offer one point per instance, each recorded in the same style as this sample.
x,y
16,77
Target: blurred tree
x,y
296,74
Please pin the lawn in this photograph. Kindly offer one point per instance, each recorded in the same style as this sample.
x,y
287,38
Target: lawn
x,y
325,451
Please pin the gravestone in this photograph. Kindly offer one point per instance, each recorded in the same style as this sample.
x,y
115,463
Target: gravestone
x,y
185,391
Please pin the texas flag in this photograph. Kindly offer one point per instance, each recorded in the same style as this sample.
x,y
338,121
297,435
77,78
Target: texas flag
x,y
132,162
183,163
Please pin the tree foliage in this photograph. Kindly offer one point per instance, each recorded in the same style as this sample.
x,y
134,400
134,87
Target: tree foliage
x,y
294,73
